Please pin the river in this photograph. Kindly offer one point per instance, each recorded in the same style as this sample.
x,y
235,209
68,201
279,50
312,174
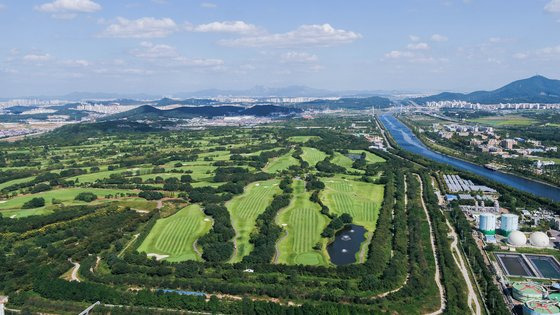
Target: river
x,y
406,139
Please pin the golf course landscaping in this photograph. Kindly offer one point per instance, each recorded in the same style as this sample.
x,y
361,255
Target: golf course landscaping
x,y
173,238
244,210
302,222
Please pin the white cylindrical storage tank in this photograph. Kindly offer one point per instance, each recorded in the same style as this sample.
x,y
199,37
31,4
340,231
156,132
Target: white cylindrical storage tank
x,y
487,223
517,238
539,239
509,223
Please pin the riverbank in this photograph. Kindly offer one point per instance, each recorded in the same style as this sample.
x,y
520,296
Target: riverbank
x,y
408,141
428,143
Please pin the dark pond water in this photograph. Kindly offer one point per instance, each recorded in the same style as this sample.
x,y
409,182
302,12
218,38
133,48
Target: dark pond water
x,y
547,266
515,265
406,139
346,244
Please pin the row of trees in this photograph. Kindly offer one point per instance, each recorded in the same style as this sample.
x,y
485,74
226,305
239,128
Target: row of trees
x,y
267,231
217,244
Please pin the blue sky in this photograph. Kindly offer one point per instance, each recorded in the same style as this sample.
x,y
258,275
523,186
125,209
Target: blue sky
x,y
52,47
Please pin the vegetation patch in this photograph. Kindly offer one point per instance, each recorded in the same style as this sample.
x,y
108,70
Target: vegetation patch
x,y
174,237
303,223
245,209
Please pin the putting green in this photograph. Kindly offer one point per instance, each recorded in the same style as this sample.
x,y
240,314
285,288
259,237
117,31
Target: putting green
x,y
281,163
342,160
370,157
173,238
359,199
303,224
245,209
312,155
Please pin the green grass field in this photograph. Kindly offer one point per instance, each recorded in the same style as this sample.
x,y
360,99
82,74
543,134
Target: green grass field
x,y
13,206
370,157
281,163
359,199
16,181
174,237
245,209
344,161
303,223
303,139
312,155
506,120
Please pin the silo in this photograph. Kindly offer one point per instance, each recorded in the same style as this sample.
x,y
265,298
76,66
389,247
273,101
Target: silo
x,y
487,223
509,223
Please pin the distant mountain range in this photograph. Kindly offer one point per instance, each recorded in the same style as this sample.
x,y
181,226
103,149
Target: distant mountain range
x,y
348,103
148,112
537,89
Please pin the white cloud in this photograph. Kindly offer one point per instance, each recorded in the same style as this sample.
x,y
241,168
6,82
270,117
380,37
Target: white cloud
x,y
225,27
37,57
2,6
76,63
208,5
414,38
397,54
549,51
165,55
149,50
298,57
58,6
305,35
438,38
418,46
146,27
520,55
553,6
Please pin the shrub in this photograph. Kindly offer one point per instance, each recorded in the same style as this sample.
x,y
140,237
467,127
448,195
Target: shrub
x,y
34,203
86,196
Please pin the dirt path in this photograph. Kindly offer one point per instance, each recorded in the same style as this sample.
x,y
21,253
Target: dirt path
x,y
94,268
365,248
460,262
74,275
195,248
134,237
277,254
437,276
472,300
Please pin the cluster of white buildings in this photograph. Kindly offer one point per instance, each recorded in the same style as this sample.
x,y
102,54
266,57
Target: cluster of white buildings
x,y
503,106
6,133
447,131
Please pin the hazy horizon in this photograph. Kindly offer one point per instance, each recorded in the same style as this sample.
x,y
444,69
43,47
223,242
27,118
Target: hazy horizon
x,y
164,47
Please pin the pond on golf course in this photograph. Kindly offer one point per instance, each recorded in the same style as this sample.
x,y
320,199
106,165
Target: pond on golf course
x,y
346,244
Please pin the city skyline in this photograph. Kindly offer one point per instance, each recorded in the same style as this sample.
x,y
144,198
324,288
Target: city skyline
x,y
166,47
